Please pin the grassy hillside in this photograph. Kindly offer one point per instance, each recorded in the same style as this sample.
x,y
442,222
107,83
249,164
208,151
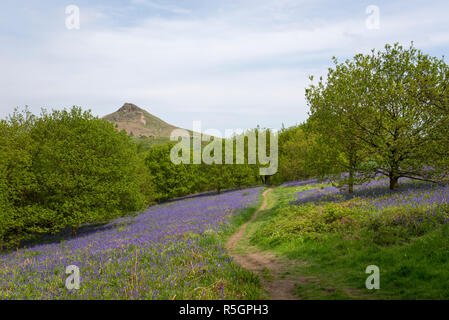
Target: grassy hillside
x,y
332,238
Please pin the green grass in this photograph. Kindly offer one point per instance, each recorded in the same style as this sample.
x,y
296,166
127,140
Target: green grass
x,y
413,261
267,274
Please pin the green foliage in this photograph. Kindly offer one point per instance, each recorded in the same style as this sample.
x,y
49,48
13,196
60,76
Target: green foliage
x,y
382,113
317,222
295,155
307,222
20,217
144,144
86,170
170,180
174,180
64,169
339,240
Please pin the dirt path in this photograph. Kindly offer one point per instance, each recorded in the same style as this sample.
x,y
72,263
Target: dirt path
x,y
274,273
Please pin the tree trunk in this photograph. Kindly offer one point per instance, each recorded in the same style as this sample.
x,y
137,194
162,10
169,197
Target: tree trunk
x,y
394,165
352,167
74,231
267,179
394,182
351,181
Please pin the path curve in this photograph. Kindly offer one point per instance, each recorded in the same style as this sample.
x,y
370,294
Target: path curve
x,y
260,262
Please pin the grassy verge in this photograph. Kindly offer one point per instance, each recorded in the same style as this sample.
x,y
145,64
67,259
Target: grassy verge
x,y
337,241
181,265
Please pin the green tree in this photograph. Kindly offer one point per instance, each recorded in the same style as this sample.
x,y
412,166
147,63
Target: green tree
x,y
20,216
295,159
85,169
170,180
333,105
392,102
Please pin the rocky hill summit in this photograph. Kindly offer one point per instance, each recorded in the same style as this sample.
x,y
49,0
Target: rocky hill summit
x,y
139,122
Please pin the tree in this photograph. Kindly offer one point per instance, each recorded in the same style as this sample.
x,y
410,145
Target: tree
x,y
295,158
86,170
333,105
396,110
170,180
64,169
20,216
261,146
238,174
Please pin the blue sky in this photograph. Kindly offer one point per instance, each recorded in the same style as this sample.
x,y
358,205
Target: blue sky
x,y
231,64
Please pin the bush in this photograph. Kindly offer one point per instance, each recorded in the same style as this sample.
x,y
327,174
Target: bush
x,y
308,222
170,180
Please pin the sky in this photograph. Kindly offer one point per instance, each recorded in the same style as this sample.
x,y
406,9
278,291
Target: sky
x,y
228,63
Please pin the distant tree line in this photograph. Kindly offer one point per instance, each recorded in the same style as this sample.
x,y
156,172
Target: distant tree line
x,y
173,180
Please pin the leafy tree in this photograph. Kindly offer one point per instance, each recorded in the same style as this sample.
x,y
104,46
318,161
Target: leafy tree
x,y
398,116
333,105
252,155
20,216
85,169
173,180
170,180
295,147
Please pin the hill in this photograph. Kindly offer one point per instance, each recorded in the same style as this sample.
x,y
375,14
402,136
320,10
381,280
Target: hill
x,y
140,123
